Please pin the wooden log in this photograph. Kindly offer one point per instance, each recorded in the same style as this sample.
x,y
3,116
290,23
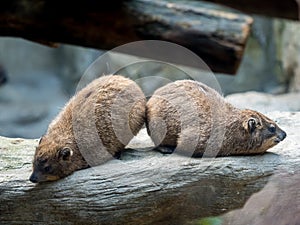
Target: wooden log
x,y
217,37
282,9
145,187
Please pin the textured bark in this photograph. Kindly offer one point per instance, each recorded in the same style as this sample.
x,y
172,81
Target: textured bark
x,y
145,187
217,37
282,9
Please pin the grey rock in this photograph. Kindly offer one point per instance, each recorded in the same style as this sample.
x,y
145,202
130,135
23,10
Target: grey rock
x,y
40,82
260,69
290,48
27,106
72,62
266,102
277,203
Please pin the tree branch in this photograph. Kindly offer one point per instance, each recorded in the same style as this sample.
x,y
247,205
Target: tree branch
x,y
145,187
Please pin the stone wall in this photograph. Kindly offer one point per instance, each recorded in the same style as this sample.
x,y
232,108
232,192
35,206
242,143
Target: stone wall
x,y
40,81
290,53
260,69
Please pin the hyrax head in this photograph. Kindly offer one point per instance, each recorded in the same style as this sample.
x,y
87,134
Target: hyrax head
x,y
262,133
55,160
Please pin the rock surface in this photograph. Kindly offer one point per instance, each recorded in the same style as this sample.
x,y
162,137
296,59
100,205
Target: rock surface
x,y
266,103
260,69
40,80
277,203
25,105
145,187
290,48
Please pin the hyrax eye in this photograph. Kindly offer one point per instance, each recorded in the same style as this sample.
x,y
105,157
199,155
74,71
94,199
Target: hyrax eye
x,y
252,125
65,153
42,161
47,169
272,128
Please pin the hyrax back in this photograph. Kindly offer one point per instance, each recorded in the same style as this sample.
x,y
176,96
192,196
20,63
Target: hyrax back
x,y
96,124
196,120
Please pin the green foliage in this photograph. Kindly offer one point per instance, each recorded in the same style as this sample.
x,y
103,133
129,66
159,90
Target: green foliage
x,y
209,221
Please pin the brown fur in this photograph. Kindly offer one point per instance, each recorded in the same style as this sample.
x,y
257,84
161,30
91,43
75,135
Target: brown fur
x,y
95,125
196,120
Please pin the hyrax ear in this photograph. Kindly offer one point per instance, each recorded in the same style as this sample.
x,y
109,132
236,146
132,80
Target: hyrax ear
x,y
250,125
41,139
65,153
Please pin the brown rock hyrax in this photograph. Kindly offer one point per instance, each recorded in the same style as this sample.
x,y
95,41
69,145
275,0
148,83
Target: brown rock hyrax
x,y
197,121
94,126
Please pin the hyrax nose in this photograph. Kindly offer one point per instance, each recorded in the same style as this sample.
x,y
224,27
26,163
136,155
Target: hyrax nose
x,y
282,135
33,178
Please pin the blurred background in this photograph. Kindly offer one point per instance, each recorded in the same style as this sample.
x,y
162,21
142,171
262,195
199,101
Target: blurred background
x,y
36,81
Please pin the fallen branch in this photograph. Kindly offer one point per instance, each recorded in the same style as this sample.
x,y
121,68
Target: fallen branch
x,y
145,187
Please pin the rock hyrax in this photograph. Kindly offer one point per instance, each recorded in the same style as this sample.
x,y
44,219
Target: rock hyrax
x,y
196,120
94,126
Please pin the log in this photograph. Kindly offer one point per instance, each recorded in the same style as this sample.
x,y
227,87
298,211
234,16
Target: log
x,y
217,37
282,9
144,187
